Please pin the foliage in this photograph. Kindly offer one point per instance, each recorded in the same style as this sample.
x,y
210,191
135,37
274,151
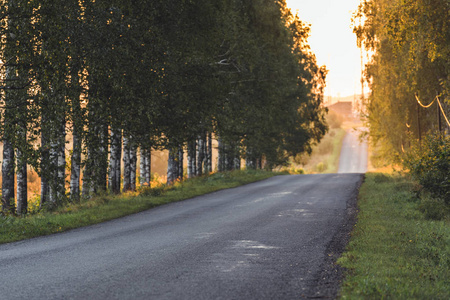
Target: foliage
x,y
394,251
429,164
409,42
157,73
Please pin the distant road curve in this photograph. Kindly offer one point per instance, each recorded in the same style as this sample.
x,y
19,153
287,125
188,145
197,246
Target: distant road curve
x,y
354,155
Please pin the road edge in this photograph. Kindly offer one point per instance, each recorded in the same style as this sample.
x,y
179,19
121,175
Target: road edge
x,y
331,275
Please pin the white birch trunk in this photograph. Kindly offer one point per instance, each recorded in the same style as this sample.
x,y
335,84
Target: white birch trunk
x,y
191,162
44,166
250,160
148,166
22,204
75,168
114,161
180,163
209,153
87,175
220,157
171,167
8,176
133,166
200,155
101,161
126,164
142,155
61,185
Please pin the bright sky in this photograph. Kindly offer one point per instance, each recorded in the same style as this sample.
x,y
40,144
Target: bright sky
x,y
333,42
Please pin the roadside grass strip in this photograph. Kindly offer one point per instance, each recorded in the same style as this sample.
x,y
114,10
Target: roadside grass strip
x,y
107,207
395,252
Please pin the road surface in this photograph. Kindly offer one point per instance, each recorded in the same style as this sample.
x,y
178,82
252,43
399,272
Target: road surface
x,y
274,239
354,156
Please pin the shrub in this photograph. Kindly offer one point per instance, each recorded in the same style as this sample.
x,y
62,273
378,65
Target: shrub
x,y
430,165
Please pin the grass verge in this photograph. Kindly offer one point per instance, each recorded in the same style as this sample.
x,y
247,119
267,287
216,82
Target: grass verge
x,y
107,207
396,252
333,159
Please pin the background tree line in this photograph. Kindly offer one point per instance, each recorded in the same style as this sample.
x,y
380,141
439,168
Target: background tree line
x,y
127,77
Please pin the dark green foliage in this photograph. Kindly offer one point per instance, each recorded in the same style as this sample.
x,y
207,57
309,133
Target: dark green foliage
x,y
430,166
164,73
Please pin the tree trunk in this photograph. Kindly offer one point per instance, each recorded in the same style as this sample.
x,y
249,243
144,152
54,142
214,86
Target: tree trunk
x,y
9,130
57,166
237,162
8,175
114,161
75,168
250,160
220,157
133,165
126,164
148,166
142,156
180,163
77,123
171,167
101,159
200,155
191,155
209,155
22,195
145,166
45,159
62,161
88,187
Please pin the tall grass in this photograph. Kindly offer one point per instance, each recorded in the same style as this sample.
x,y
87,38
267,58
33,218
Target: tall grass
x,y
396,252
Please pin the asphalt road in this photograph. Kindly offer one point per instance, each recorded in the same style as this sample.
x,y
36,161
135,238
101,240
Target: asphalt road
x,y
275,239
354,156
267,240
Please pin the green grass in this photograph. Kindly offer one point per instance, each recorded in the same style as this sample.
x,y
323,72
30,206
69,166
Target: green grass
x,y
396,251
107,207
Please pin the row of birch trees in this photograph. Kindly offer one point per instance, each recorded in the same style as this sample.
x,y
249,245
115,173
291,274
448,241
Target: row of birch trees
x,y
89,86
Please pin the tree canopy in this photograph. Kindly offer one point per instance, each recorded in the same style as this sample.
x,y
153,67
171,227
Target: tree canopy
x,y
410,41
121,75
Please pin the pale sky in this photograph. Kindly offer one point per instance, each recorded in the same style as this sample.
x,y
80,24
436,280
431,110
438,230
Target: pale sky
x,y
333,42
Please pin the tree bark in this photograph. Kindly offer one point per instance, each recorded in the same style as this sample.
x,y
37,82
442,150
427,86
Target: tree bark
x,y
75,168
171,167
126,164
221,156
142,155
209,155
45,159
148,166
191,155
8,175
180,163
114,161
250,160
200,155
133,165
22,195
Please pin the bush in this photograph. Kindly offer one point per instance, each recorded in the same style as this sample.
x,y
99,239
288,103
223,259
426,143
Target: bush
x,y
430,165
